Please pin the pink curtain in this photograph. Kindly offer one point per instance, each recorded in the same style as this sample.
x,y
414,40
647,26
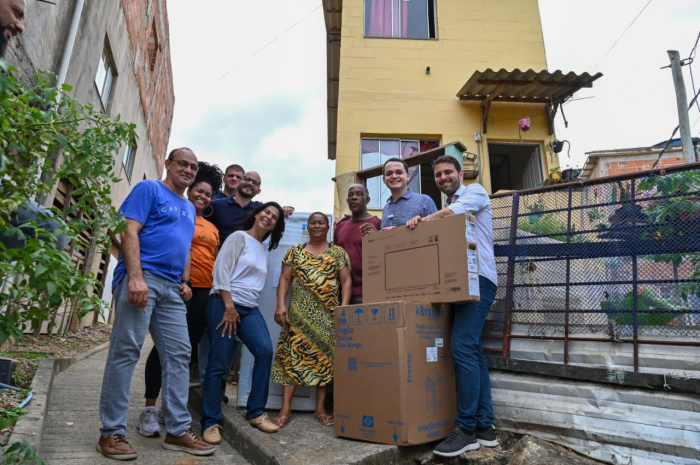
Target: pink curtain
x,y
380,17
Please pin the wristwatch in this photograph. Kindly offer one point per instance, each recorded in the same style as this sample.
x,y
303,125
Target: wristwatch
x,y
186,281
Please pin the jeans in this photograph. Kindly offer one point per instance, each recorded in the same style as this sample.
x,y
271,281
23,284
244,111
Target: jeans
x,y
196,320
203,355
252,331
165,317
474,407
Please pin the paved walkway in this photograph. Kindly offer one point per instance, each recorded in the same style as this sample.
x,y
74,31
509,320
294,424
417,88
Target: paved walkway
x,y
72,423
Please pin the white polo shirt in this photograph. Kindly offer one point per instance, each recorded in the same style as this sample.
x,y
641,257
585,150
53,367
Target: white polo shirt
x,y
474,200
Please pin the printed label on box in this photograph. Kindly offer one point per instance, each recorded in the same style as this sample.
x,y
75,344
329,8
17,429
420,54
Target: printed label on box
x,y
438,342
431,354
471,231
474,284
472,261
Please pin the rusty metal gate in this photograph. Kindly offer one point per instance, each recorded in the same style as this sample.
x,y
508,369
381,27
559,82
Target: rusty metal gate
x,y
612,259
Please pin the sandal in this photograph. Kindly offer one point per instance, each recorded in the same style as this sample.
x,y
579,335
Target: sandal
x,y
325,420
281,422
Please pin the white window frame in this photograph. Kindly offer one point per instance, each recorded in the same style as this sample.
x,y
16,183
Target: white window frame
x,y
105,76
129,159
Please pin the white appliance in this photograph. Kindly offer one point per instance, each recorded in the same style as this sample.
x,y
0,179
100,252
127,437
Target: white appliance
x,y
304,397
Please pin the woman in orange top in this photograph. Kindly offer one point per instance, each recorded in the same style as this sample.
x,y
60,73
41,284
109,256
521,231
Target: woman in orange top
x,y
205,246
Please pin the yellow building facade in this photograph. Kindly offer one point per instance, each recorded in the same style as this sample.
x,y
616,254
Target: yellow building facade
x,y
395,68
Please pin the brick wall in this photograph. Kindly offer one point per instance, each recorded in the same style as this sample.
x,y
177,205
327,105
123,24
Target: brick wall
x,y
147,24
632,166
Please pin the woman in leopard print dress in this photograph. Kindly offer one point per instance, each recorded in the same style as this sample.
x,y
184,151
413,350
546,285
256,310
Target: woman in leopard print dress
x,y
317,272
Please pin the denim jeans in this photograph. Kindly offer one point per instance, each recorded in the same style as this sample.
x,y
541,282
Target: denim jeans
x,y
165,317
203,355
474,406
252,331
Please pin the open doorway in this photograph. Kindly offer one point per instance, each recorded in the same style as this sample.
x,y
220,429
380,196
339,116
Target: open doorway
x,y
515,166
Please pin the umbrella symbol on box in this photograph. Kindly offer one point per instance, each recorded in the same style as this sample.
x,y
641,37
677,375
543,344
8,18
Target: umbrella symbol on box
x,y
358,316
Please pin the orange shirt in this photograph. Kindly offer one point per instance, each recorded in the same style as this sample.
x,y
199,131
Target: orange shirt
x,y
204,244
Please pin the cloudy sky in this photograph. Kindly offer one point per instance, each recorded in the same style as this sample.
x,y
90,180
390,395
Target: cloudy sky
x,y
250,83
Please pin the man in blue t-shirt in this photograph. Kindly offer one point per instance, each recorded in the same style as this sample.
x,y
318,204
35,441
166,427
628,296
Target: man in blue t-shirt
x,y
149,286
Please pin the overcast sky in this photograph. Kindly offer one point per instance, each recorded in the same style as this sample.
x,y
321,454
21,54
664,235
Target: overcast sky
x,y
250,83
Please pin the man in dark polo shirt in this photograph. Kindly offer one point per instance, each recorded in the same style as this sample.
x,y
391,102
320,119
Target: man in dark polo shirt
x,y
228,213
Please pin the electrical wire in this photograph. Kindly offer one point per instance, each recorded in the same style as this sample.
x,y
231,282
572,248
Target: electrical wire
x,y
674,133
269,43
621,35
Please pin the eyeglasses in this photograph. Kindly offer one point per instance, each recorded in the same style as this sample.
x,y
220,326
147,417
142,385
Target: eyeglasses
x,y
251,180
183,164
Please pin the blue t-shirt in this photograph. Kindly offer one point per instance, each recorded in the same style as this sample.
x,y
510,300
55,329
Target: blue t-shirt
x,y
166,235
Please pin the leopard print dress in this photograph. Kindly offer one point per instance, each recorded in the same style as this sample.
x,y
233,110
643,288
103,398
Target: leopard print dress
x,y
304,354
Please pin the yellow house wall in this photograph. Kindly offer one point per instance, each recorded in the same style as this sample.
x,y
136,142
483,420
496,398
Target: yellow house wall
x,y
384,90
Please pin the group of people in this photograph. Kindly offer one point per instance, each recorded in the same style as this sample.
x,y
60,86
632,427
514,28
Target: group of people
x,y
192,270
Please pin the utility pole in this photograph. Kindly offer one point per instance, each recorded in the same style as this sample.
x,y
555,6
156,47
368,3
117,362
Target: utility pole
x,y
682,102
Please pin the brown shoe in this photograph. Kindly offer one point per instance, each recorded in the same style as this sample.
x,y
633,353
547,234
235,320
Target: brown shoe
x,y
212,435
115,446
188,442
264,424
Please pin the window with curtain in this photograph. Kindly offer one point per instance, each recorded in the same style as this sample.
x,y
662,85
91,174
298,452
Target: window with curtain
x,y
408,19
378,151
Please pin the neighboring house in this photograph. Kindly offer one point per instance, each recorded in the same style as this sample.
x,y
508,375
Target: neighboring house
x,y
601,163
120,63
410,76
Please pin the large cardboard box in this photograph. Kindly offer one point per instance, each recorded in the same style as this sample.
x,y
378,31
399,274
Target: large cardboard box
x,y
432,263
394,381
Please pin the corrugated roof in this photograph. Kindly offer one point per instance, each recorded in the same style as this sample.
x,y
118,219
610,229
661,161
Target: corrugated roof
x,y
524,86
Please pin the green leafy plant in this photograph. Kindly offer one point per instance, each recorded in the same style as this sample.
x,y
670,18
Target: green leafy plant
x,y
9,416
548,225
673,206
21,453
623,311
47,137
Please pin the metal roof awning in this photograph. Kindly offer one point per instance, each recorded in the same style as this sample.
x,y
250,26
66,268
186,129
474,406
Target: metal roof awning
x,y
550,89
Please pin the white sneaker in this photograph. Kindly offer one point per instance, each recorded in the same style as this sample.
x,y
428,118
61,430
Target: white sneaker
x,y
148,423
161,417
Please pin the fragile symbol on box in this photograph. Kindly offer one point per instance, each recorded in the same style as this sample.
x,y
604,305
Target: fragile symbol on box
x,y
367,421
342,320
374,318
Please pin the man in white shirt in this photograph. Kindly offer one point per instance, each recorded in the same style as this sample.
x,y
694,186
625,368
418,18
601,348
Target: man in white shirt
x,y
474,422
